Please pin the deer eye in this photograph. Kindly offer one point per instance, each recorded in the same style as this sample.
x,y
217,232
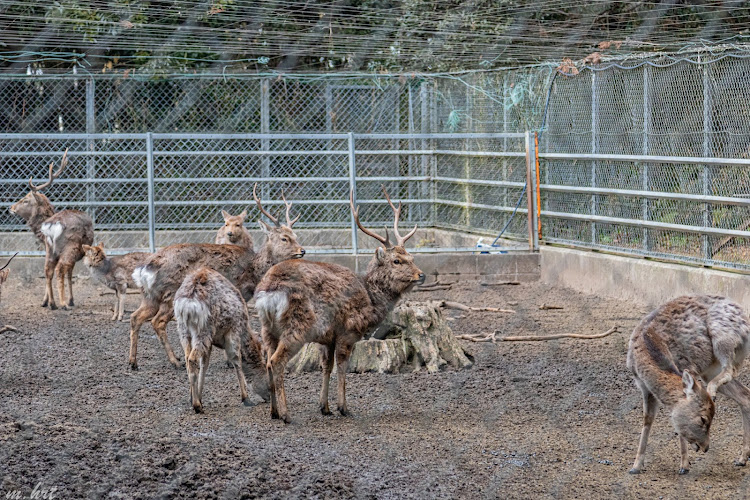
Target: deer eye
x,y
285,240
397,262
704,420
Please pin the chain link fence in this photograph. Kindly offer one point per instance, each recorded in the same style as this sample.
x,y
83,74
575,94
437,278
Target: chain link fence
x,y
631,158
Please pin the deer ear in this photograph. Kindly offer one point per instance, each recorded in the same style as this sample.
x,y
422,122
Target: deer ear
x,y
225,214
264,227
101,245
688,382
86,248
380,255
243,215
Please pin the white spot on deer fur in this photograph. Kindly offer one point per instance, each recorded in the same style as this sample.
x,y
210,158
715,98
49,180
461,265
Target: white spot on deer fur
x,y
52,230
144,278
271,304
192,313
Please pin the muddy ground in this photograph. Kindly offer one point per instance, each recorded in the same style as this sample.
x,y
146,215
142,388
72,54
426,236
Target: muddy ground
x,y
555,419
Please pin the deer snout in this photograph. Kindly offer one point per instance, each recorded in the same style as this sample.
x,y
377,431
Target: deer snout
x,y
300,253
230,234
419,278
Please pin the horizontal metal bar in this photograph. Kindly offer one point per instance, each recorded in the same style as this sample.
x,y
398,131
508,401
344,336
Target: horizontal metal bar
x,y
187,203
128,137
722,200
480,154
316,152
471,135
464,204
648,224
71,154
479,182
61,205
288,137
646,158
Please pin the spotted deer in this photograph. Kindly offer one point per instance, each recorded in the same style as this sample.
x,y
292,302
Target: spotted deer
x,y
301,301
165,270
116,273
210,311
234,231
674,352
63,235
4,272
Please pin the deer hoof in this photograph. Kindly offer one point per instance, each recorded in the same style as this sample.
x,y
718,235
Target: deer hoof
x,y
740,462
683,471
634,471
198,408
325,411
53,307
247,402
286,419
133,365
344,412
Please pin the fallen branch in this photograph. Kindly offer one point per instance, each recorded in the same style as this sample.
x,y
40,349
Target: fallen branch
x,y
559,336
8,328
437,285
446,304
500,283
479,338
112,292
545,307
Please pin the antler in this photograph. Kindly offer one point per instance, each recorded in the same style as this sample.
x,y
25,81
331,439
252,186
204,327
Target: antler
x,y
265,212
52,176
400,240
8,263
355,212
289,222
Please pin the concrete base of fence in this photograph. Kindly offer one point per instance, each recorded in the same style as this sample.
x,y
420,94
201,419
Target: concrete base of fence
x,y
643,281
487,268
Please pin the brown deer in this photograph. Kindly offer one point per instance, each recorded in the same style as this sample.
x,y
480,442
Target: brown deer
x,y
62,233
234,231
3,277
114,272
672,352
301,301
164,272
211,312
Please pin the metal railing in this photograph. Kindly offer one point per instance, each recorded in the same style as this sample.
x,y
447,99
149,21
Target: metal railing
x,y
146,191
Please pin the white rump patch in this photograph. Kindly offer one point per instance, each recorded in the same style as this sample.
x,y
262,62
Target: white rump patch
x,y
144,278
52,230
192,313
271,305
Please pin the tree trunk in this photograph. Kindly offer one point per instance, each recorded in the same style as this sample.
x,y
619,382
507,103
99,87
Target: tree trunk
x,y
414,335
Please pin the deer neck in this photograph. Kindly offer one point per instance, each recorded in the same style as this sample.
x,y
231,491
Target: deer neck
x,y
263,261
382,297
41,214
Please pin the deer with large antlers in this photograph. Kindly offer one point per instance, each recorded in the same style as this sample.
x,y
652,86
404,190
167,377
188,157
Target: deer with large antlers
x,y
3,277
164,272
301,301
63,235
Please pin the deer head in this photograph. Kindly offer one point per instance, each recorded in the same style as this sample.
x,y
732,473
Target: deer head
x,y
392,263
692,415
233,225
35,204
281,241
93,256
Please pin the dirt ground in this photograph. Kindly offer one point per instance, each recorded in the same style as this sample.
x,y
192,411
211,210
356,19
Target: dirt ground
x,y
555,419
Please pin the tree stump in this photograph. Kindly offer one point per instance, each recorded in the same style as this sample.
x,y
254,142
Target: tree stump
x,y
414,335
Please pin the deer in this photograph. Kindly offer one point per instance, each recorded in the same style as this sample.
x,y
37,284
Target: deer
x,y
4,272
62,234
301,301
116,273
210,311
164,271
681,355
234,231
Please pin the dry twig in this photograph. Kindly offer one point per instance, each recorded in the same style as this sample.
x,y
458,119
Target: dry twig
x,y
560,336
8,328
479,338
545,307
446,304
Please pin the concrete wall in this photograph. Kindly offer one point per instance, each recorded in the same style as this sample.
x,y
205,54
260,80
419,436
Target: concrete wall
x,y
644,281
487,268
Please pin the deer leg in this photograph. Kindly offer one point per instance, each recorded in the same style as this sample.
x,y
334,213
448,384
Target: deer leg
x,y
277,364
326,363
187,348
159,322
741,394
343,351
146,311
270,343
119,299
203,365
193,369
61,269
649,411
684,459
49,273
233,356
69,276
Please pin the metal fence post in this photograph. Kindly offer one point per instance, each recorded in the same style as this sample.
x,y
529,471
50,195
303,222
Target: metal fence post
x,y
707,126
530,176
150,180
594,126
646,131
265,128
353,189
90,145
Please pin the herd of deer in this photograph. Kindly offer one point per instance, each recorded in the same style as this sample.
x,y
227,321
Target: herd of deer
x,y
681,354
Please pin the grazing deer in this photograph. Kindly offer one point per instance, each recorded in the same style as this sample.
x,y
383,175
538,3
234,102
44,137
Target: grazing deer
x,y
3,277
234,231
115,272
164,272
62,233
683,342
211,312
301,301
